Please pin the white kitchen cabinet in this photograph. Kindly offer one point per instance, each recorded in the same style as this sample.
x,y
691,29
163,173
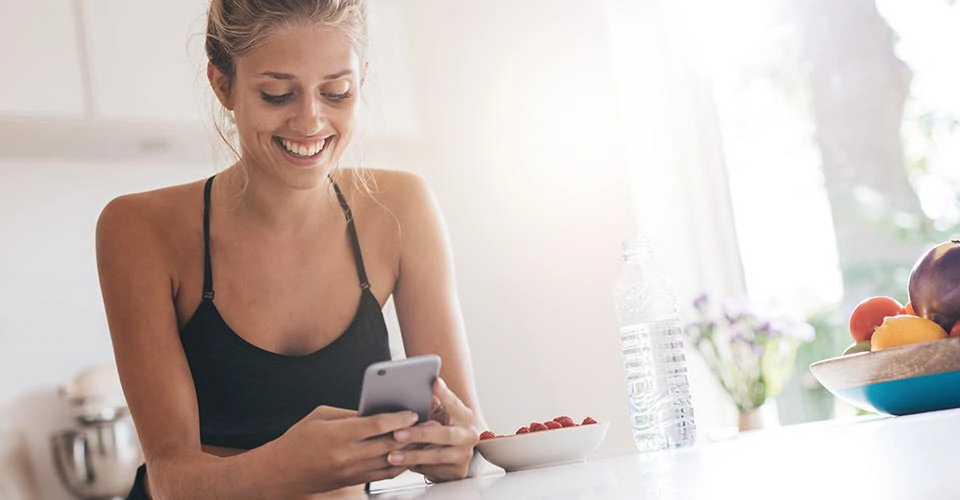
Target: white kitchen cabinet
x,y
40,60
126,79
146,59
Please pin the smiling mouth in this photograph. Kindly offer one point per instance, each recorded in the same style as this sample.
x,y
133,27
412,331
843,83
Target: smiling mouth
x,y
303,149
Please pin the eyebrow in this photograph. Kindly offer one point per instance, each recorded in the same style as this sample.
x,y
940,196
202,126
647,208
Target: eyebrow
x,y
288,76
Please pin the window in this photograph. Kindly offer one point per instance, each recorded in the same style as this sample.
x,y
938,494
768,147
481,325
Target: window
x,y
839,136
814,145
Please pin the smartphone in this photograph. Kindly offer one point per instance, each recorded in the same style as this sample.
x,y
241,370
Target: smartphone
x,y
402,385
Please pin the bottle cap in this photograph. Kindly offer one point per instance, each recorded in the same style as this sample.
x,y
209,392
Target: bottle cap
x,y
637,245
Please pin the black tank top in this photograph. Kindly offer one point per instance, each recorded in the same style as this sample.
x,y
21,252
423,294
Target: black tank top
x,y
248,396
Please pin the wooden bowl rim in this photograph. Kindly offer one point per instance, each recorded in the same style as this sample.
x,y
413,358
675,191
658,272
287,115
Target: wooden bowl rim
x,y
886,365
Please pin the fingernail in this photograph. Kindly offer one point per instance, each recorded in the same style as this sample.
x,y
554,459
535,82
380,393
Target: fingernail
x,y
412,417
401,435
395,458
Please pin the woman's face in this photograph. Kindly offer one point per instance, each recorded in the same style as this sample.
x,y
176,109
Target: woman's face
x,y
295,103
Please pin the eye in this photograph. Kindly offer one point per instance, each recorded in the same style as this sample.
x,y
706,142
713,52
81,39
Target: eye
x,y
339,97
276,99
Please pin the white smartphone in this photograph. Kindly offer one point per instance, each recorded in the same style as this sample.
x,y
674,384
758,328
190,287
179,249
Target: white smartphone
x,y
402,385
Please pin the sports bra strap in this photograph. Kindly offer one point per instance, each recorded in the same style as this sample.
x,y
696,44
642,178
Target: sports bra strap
x,y
207,266
358,257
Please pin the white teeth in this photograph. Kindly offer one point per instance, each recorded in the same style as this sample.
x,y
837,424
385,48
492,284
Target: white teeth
x,y
303,150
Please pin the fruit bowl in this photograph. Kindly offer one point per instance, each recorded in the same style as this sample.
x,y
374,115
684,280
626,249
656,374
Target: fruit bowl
x,y
543,448
898,381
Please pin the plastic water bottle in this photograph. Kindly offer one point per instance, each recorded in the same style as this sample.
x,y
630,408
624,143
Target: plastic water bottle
x,y
651,340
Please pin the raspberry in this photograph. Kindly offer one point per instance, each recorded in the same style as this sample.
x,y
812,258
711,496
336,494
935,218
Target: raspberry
x,y
487,435
523,430
537,426
565,421
550,424
588,421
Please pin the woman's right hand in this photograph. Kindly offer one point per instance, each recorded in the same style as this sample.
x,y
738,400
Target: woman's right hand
x,y
331,448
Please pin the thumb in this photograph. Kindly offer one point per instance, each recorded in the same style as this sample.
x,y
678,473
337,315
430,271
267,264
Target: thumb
x,y
452,410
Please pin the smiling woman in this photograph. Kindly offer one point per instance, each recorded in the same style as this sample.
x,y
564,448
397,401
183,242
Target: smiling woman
x,y
305,117
248,386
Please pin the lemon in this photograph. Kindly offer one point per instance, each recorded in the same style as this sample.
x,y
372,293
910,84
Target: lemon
x,y
905,329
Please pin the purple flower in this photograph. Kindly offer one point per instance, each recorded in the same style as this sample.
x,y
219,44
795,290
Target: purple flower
x,y
776,327
767,329
731,311
701,303
740,334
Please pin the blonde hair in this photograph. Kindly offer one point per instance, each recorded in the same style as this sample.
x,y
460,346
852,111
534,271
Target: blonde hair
x,y
235,27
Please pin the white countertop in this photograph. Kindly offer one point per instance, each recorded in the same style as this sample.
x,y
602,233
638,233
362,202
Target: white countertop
x,y
911,457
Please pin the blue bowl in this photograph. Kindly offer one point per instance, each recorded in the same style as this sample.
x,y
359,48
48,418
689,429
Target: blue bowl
x,y
899,381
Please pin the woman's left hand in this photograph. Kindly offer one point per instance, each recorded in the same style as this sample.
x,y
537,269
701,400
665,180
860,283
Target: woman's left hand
x,y
449,437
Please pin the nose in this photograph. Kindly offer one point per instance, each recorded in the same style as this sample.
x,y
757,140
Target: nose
x,y
308,117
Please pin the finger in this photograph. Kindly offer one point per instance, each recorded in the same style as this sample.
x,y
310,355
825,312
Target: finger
x,y
430,472
384,423
431,456
377,447
360,467
452,405
435,406
440,473
437,434
438,413
404,435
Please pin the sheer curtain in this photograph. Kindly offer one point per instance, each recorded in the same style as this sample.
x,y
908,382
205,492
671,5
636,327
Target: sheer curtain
x,y
678,180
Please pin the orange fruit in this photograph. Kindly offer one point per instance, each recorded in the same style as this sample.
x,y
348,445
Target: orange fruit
x,y
908,309
904,329
869,314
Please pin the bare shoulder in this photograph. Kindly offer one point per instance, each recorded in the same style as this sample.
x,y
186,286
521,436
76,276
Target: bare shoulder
x,y
401,213
404,194
149,220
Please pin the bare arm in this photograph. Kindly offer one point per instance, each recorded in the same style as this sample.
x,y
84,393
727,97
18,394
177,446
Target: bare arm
x,y
328,449
137,288
429,314
428,308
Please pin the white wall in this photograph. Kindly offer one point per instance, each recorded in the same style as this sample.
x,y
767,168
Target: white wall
x,y
52,323
519,140
509,110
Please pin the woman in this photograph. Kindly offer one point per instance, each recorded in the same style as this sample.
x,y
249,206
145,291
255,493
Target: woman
x,y
244,308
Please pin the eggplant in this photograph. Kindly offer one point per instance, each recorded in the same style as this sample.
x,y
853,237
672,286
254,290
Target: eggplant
x,y
934,286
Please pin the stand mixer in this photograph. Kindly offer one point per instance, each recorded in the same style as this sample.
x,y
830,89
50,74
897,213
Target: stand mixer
x,y
97,459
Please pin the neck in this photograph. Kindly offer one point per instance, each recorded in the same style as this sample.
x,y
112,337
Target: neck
x,y
265,202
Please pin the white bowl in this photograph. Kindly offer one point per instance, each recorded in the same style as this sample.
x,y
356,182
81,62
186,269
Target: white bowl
x,y
543,448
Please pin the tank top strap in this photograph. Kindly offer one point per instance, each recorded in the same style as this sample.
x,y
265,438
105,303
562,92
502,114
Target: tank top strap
x,y
207,266
354,241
